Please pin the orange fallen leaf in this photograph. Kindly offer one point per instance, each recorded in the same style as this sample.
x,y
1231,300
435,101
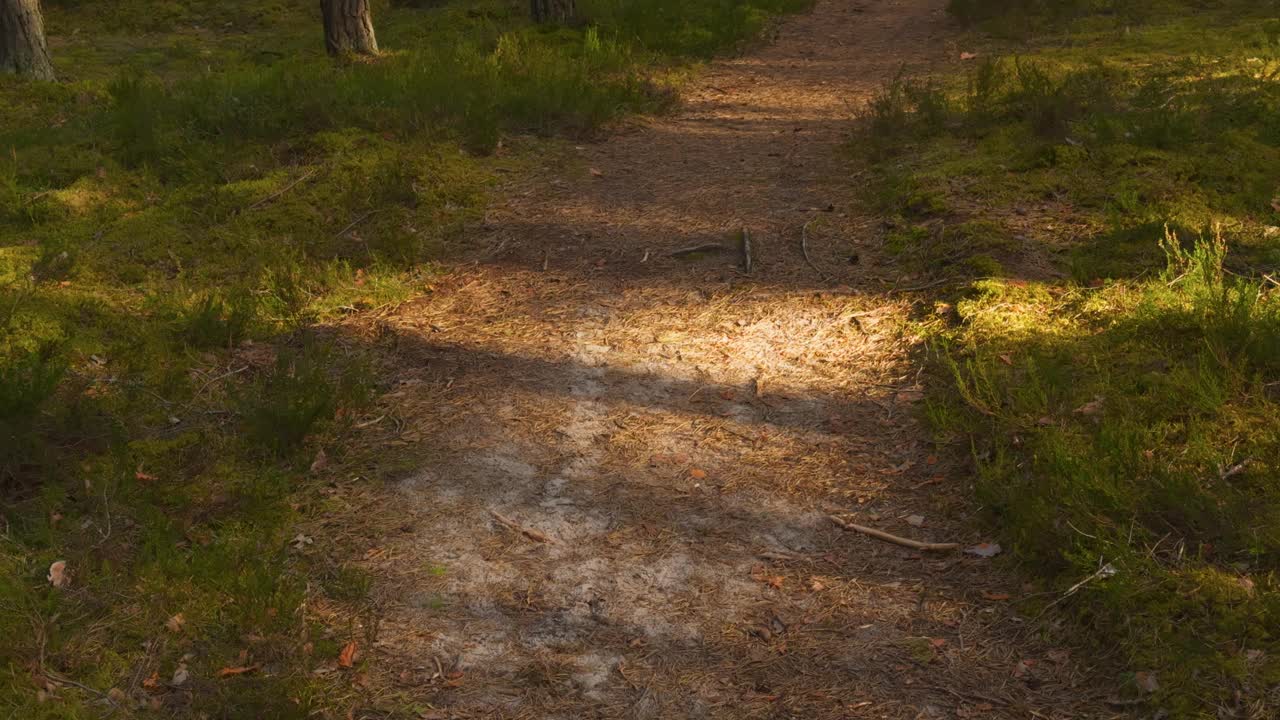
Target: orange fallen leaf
x,y
175,623
347,657
775,581
697,474
144,476
152,682
239,670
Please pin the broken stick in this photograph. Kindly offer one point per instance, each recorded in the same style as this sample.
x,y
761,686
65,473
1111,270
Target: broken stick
x,y
705,248
887,537
746,251
512,524
804,249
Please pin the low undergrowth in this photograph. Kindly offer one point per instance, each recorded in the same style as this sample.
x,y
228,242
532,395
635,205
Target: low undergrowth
x,y
1106,195
182,219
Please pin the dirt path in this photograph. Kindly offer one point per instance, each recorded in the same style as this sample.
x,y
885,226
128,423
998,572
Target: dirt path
x,y
635,456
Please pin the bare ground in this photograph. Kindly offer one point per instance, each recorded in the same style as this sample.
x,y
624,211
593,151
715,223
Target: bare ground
x,y
634,456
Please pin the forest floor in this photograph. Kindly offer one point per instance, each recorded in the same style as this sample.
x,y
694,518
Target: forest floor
x,y
634,452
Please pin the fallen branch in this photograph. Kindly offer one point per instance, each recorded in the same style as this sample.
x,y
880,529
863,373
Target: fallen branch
x,y
926,286
305,176
804,249
512,524
887,537
706,247
356,222
1105,571
746,251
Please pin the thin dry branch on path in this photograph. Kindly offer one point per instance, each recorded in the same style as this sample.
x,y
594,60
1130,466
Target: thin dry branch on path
x,y
530,533
804,249
891,538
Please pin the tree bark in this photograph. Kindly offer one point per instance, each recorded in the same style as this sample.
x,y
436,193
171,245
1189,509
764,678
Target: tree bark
x,y
552,11
22,46
348,27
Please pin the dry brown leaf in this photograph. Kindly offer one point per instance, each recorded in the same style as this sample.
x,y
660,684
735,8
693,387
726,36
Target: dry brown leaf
x,y
1092,407
58,574
347,657
321,461
984,550
998,597
238,670
152,682
175,623
1146,681
142,476
968,55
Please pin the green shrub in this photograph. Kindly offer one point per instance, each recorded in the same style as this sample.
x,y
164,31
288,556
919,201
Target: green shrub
x,y
28,382
213,320
304,389
1138,428
522,84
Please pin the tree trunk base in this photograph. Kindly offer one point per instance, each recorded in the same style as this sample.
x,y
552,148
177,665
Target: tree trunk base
x,y
348,27
22,46
552,11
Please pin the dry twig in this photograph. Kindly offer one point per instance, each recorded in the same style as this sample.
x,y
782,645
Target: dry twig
x,y
530,533
305,176
804,249
887,537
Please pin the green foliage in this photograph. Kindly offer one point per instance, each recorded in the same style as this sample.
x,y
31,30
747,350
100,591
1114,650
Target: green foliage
x,y
213,320
1129,422
306,386
522,84
1141,432
28,381
680,27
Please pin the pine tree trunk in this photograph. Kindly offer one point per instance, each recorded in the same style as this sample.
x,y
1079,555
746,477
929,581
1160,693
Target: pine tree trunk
x,y
348,27
22,46
552,11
